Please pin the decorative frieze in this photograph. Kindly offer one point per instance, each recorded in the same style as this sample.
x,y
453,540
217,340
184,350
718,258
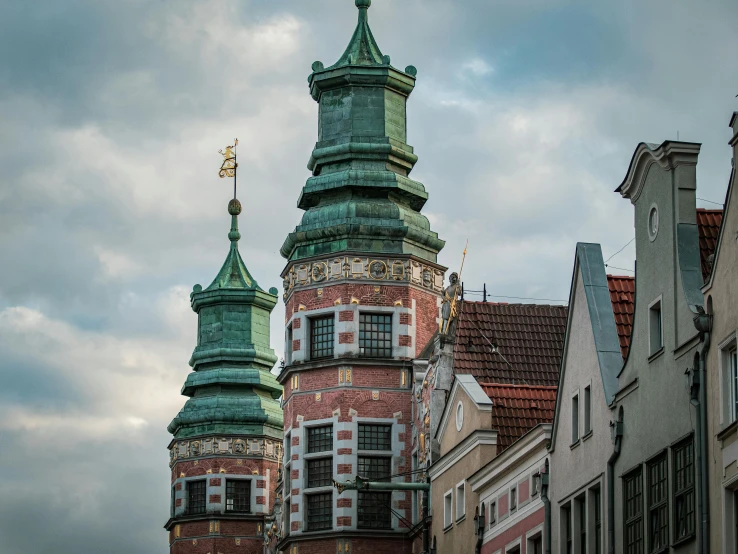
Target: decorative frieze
x,y
364,269
225,446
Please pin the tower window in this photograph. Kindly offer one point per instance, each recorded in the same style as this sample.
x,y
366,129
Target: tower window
x,y
320,439
196,497
375,335
319,511
321,337
375,437
238,495
374,510
319,472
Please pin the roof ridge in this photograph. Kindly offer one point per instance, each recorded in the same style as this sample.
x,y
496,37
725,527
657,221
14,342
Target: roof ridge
x,y
515,385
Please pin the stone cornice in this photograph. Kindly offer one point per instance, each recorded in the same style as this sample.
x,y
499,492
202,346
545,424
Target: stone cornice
x,y
231,446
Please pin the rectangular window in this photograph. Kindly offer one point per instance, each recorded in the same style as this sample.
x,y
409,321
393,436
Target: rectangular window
x,y
320,472
633,512
321,337
587,409
374,469
319,511
374,510
575,418
460,501
597,499
196,497
656,328
375,335
375,437
448,507
320,439
658,508
174,494
238,495
492,513
567,530
732,375
288,345
683,464
535,486
582,504
513,499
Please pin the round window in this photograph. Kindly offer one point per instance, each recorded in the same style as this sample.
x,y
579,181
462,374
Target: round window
x,y
459,416
653,222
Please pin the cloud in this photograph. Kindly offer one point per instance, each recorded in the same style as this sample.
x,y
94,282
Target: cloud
x,y
524,116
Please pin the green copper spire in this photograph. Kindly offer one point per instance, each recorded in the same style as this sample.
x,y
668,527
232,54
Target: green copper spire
x,y
232,388
360,197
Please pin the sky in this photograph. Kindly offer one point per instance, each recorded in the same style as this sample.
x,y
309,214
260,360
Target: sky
x,y
525,116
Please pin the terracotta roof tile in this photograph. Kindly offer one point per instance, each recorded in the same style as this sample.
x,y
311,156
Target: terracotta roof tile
x,y
529,336
708,226
622,296
517,409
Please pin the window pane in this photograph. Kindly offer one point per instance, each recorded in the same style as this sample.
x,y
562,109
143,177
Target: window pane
x,y
375,510
657,505
633,508
238,495
375,335
374,469
321,337
196,497
375,437
683,464
320,472
319,511
320,439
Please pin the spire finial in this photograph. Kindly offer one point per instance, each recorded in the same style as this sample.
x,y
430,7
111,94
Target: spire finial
x,y
363,4
234,208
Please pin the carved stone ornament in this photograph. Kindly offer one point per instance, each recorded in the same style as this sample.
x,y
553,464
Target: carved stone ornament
x,y
225,446
377,269
320,272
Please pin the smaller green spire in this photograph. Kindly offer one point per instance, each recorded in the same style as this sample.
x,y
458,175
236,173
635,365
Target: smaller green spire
x,y
234,274
362,49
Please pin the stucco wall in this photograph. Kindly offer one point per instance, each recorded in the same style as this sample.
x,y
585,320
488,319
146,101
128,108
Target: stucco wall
x,y
574,469
723,455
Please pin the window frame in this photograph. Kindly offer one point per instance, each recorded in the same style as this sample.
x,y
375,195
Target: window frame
x,y
379,519
314,429
658,506
492,513
316,323
567,521
597,518
308,509
460,501
370,426
366,349
513,498
582,505
575,435
448,507
684,491
318,465
587,408
729,380
248,498
655,323
633,520
190,491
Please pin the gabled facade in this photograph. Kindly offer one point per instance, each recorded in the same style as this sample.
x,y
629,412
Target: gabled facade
x,y
597,341
721,300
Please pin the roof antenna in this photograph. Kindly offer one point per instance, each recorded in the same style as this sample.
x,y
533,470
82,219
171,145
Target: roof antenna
x,y
677,134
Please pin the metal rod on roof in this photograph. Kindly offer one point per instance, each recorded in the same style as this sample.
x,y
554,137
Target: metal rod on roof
x,y
484,292
462,291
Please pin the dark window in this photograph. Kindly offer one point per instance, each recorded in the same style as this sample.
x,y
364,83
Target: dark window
x,y
658,508
582,526
196,497
492,513
513,499
633,512
598,521
567,528
238,495
174,494
320,439
683,490
319,511
321,337
374,469
375,510
375,335
320,472
375,437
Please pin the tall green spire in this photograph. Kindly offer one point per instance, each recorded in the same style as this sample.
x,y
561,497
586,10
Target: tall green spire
x,y
359,197
232,389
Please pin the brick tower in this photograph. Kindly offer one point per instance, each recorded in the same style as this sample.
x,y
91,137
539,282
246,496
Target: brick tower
x,y
362,294
227,447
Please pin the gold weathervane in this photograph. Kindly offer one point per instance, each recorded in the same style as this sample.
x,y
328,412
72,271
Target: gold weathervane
x,y
228,169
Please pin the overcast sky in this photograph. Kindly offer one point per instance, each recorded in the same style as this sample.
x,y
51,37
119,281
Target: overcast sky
x,y
525,117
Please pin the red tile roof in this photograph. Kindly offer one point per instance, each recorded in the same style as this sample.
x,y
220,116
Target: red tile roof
x,y
529,336
517,409
708,226
622,296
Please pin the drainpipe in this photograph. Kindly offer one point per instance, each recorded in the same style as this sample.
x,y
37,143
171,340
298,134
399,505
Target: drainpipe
x,y
546,510
618,432
703,324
